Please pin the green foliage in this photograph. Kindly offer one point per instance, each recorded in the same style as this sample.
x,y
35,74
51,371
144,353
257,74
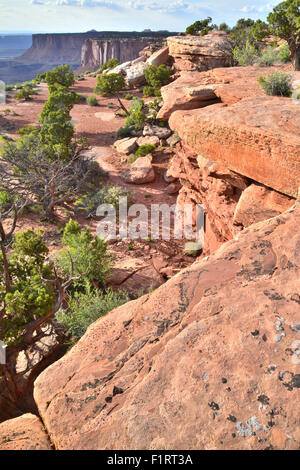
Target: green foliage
x,y
110,65
25,94
284,54
269,57
124,132
110,84
137,117
157,76
154,106
108,194
85,308
277,84
91,259
128,97
284,21
28,297
92,101
203,27
245,55
225,27
259,30
61,76
148,91
144,150
9,87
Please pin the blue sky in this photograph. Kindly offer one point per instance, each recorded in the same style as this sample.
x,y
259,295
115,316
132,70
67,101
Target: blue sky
x,y
123,15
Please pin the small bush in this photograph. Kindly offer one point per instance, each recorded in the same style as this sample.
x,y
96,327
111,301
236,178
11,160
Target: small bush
x,y
277,84
284,54
25,94
128,97
109,65
92,101
91,259
269,57
124,132
9,87
157,76
136,116
86,308
246,55
144,150
148,91
109,194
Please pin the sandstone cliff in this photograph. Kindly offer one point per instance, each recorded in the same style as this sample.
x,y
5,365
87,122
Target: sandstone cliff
x,y
96,52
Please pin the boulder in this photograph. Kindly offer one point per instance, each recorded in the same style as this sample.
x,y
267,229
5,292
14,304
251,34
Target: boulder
x,y
140,172
190,91
23,433
260,203
160,132
173,188
201,52
133,71
159,57
126,146
150,139
207,361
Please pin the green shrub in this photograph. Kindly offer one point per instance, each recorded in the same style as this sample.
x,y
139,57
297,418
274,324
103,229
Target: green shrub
x,y
144,150
61,76
124,132
157,76
137,117
110,65
246,55
128,97
91,259
83,309
148,91
284,54
269,57
108,194
9,87
28,297
277,84
92,101
25,94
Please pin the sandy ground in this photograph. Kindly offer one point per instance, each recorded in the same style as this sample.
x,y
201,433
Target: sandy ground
x,y
138,265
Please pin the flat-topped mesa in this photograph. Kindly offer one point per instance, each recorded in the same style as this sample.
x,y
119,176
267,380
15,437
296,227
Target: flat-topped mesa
x,y
201,52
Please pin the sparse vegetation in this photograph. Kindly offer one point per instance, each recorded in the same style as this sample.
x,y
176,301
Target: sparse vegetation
x,y
84,308
245,55
144,150
111,84
110,65
156,77
277,84
92,101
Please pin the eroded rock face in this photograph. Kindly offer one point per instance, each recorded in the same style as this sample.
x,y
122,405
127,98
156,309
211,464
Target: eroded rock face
x,y
256,137
24,433
201,52
207,361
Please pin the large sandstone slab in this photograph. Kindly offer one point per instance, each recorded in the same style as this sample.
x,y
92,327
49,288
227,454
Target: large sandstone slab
x,y
201,52
207,361
190,91
23,433
256,137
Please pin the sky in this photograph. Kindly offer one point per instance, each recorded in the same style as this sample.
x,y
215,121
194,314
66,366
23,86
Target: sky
x,y
58,16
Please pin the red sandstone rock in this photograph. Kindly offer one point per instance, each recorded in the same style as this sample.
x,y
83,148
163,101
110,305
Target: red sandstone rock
x,y
201,52
190,91
140,172
259,203
207,361
159,57
256,137
24,433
